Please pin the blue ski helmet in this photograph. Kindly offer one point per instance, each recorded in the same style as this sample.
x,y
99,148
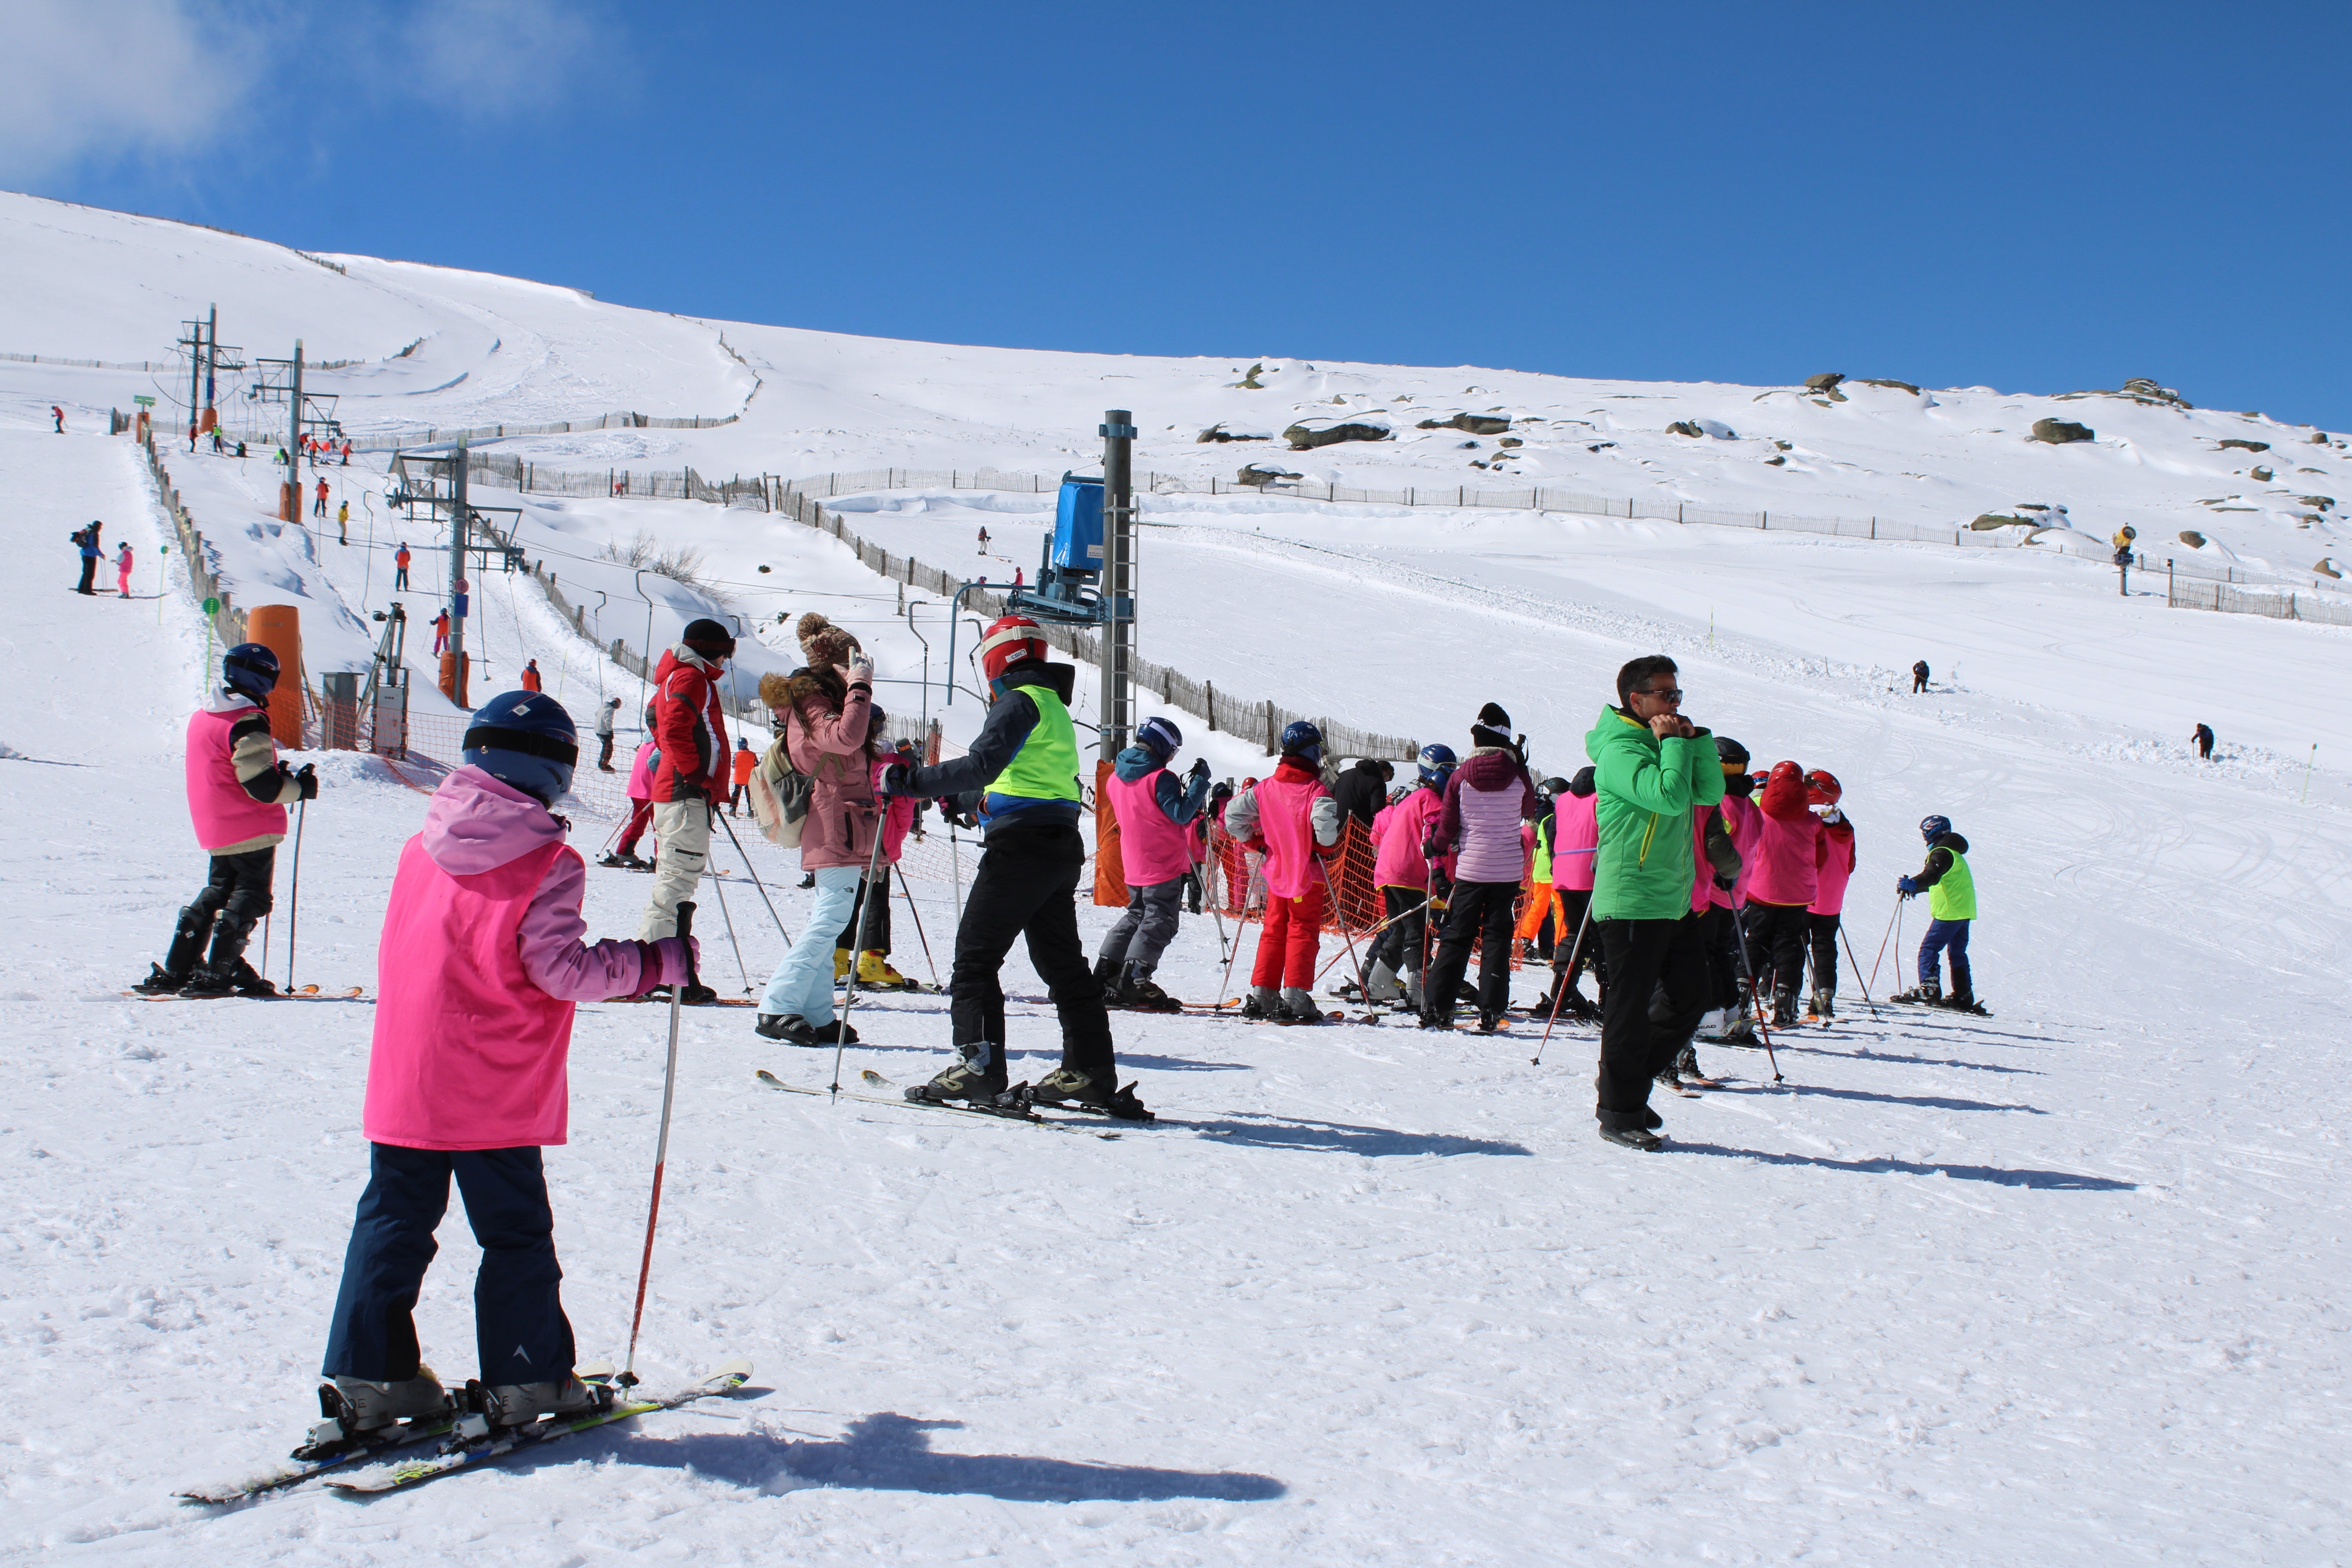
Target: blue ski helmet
x,y
1934,827
250,670
1436,763
1159,736
1300,738
525,738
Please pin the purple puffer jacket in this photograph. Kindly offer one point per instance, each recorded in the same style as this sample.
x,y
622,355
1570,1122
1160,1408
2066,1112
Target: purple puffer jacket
x,y
1485,801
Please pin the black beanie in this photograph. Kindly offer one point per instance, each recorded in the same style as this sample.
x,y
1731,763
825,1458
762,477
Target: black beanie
x,y
708,638
1493,727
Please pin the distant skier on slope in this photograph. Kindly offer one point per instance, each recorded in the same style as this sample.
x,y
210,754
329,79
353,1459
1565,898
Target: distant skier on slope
x,y
1155,814
1919,677
640,792
122,568
529,678
400,567
1292,820
1952,902
238,794
483,965
1486,800
56,419
1835,868
605,711
1020,779
1651,766
1411,887
2203,736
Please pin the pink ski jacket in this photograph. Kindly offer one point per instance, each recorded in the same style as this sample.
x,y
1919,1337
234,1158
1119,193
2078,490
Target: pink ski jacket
x,y
898,817
1152,849
1576,824
1298,822
1836,865
1398,834
479,966
1788,843
221,810
641,772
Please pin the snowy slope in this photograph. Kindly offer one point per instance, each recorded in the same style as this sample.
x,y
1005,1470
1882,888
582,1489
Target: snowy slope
x,y
2053,1287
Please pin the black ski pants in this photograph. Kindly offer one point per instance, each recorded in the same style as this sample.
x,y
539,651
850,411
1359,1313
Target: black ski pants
x,y
89,575
1721,928
1569,961
1776,946
873,913
1822,930
235,898
1657,994
1147,927
1479,913
521,1334
1027,887
1403,943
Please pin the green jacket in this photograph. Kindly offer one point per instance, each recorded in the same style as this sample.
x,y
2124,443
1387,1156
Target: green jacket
x,y
1648,787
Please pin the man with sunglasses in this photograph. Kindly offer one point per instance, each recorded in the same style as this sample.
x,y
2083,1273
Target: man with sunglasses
x,y
1651,766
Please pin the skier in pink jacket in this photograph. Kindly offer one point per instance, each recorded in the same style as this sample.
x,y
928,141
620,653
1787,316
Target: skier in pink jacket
x,y
1292,819
1835,869
1783,877
1404,877
480,966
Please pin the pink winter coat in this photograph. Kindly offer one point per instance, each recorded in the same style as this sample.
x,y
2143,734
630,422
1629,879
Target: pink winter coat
x,y
825,738
1288,827
1486,800
1398,834
641,772
224,814
1742,822
1788,843
1576,825
480,965
1836,866
1152,849
898,817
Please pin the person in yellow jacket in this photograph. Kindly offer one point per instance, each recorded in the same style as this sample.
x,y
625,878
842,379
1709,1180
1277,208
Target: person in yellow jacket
x,y
1951,890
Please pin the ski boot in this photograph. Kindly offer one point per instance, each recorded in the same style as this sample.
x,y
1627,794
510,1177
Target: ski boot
x,y
1963,1001
1490,1022
1687,1070
1784,1008
1262,1003
977,1077
788,1028
1382,986
808,881
1741,1029
1298,1007
160,981
874,974
840,964
358,1406
1112,973
1928,992
1412,991
1139,992
520,1404
1824,1007
1091,1091
1641,1138
207,983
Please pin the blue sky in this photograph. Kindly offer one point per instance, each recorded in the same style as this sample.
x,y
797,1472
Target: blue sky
x,y
2034,197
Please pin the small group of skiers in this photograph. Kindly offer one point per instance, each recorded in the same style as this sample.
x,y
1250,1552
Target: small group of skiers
x,y
92,549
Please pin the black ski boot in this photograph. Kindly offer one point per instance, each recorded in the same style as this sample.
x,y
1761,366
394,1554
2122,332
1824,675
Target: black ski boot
x,y
977,1077
1139,992
1687,1070
1490,1022
209,984
1262,1003
1784,1008
788,1028
1824,1005
1640,1138
1096,1092
160,981
1113,975
1928,992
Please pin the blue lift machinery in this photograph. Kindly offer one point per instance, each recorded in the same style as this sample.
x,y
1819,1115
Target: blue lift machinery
x,y
1070,563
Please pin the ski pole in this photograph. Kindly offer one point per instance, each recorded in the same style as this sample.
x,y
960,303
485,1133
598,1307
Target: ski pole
x,y
1238,929
918,913
1216,913
1376,928
1882,949
1755,997
1856,964
294,898
1345,935
720,888
1559,985
661,1149
849,999
754,874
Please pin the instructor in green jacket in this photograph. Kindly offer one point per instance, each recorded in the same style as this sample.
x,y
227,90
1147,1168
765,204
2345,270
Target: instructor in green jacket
x,y
1652,767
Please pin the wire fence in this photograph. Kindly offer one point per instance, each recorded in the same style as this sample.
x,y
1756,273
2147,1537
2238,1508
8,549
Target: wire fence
x,y
203,560
2277,606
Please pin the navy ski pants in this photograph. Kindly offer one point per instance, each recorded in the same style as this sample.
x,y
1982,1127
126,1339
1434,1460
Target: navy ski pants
x,y
1946,937
519,1331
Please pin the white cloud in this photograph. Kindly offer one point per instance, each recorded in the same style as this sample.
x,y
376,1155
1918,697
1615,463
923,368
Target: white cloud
x,y
102,81
492,59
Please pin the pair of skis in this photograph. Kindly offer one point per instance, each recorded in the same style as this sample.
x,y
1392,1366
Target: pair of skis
x,y
1020,1110
466,1439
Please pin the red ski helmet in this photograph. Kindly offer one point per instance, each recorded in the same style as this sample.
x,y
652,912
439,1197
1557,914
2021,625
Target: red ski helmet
x,y
1821,787
1008,639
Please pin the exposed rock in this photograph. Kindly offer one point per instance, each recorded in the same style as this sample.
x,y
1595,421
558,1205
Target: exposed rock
x,y
2192,538
1600,445
1251,380
1309,434
2231,441
1467,447
1262,475
1684,427
2058,432
1899,385
1777,461
1473,424
2141,388
2322,502
1989,521
1823,382
2319,438
1218,432
1510,441
1786,446
2260,476
2325,566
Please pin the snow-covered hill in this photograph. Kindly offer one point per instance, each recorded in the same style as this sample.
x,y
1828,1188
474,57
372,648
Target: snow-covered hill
x,y
2054,1286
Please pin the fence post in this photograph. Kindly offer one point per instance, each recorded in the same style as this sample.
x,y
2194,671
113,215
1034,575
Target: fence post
x,y
1209,705
1271,750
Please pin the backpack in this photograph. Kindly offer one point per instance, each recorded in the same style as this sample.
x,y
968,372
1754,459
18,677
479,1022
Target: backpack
x,y
781,793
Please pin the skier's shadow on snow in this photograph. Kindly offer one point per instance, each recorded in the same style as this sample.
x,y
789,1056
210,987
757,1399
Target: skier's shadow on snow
x,y
1867,1055
889,1452
2050,1181
1926,1101
1342,1137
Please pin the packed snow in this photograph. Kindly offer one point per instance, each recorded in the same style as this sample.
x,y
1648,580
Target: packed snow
x,y
2058,1286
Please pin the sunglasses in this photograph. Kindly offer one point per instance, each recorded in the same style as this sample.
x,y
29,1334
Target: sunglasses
x,y
1664,694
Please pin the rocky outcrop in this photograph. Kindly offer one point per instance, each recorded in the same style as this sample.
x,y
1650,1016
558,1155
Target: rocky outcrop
x,y
2325,567
2244,446
1262,475
2322,502
2058,432
1987,521
2192,538
1824,382
1218,433
1309,434
1895,385
1469,423
2260,476
1684,427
